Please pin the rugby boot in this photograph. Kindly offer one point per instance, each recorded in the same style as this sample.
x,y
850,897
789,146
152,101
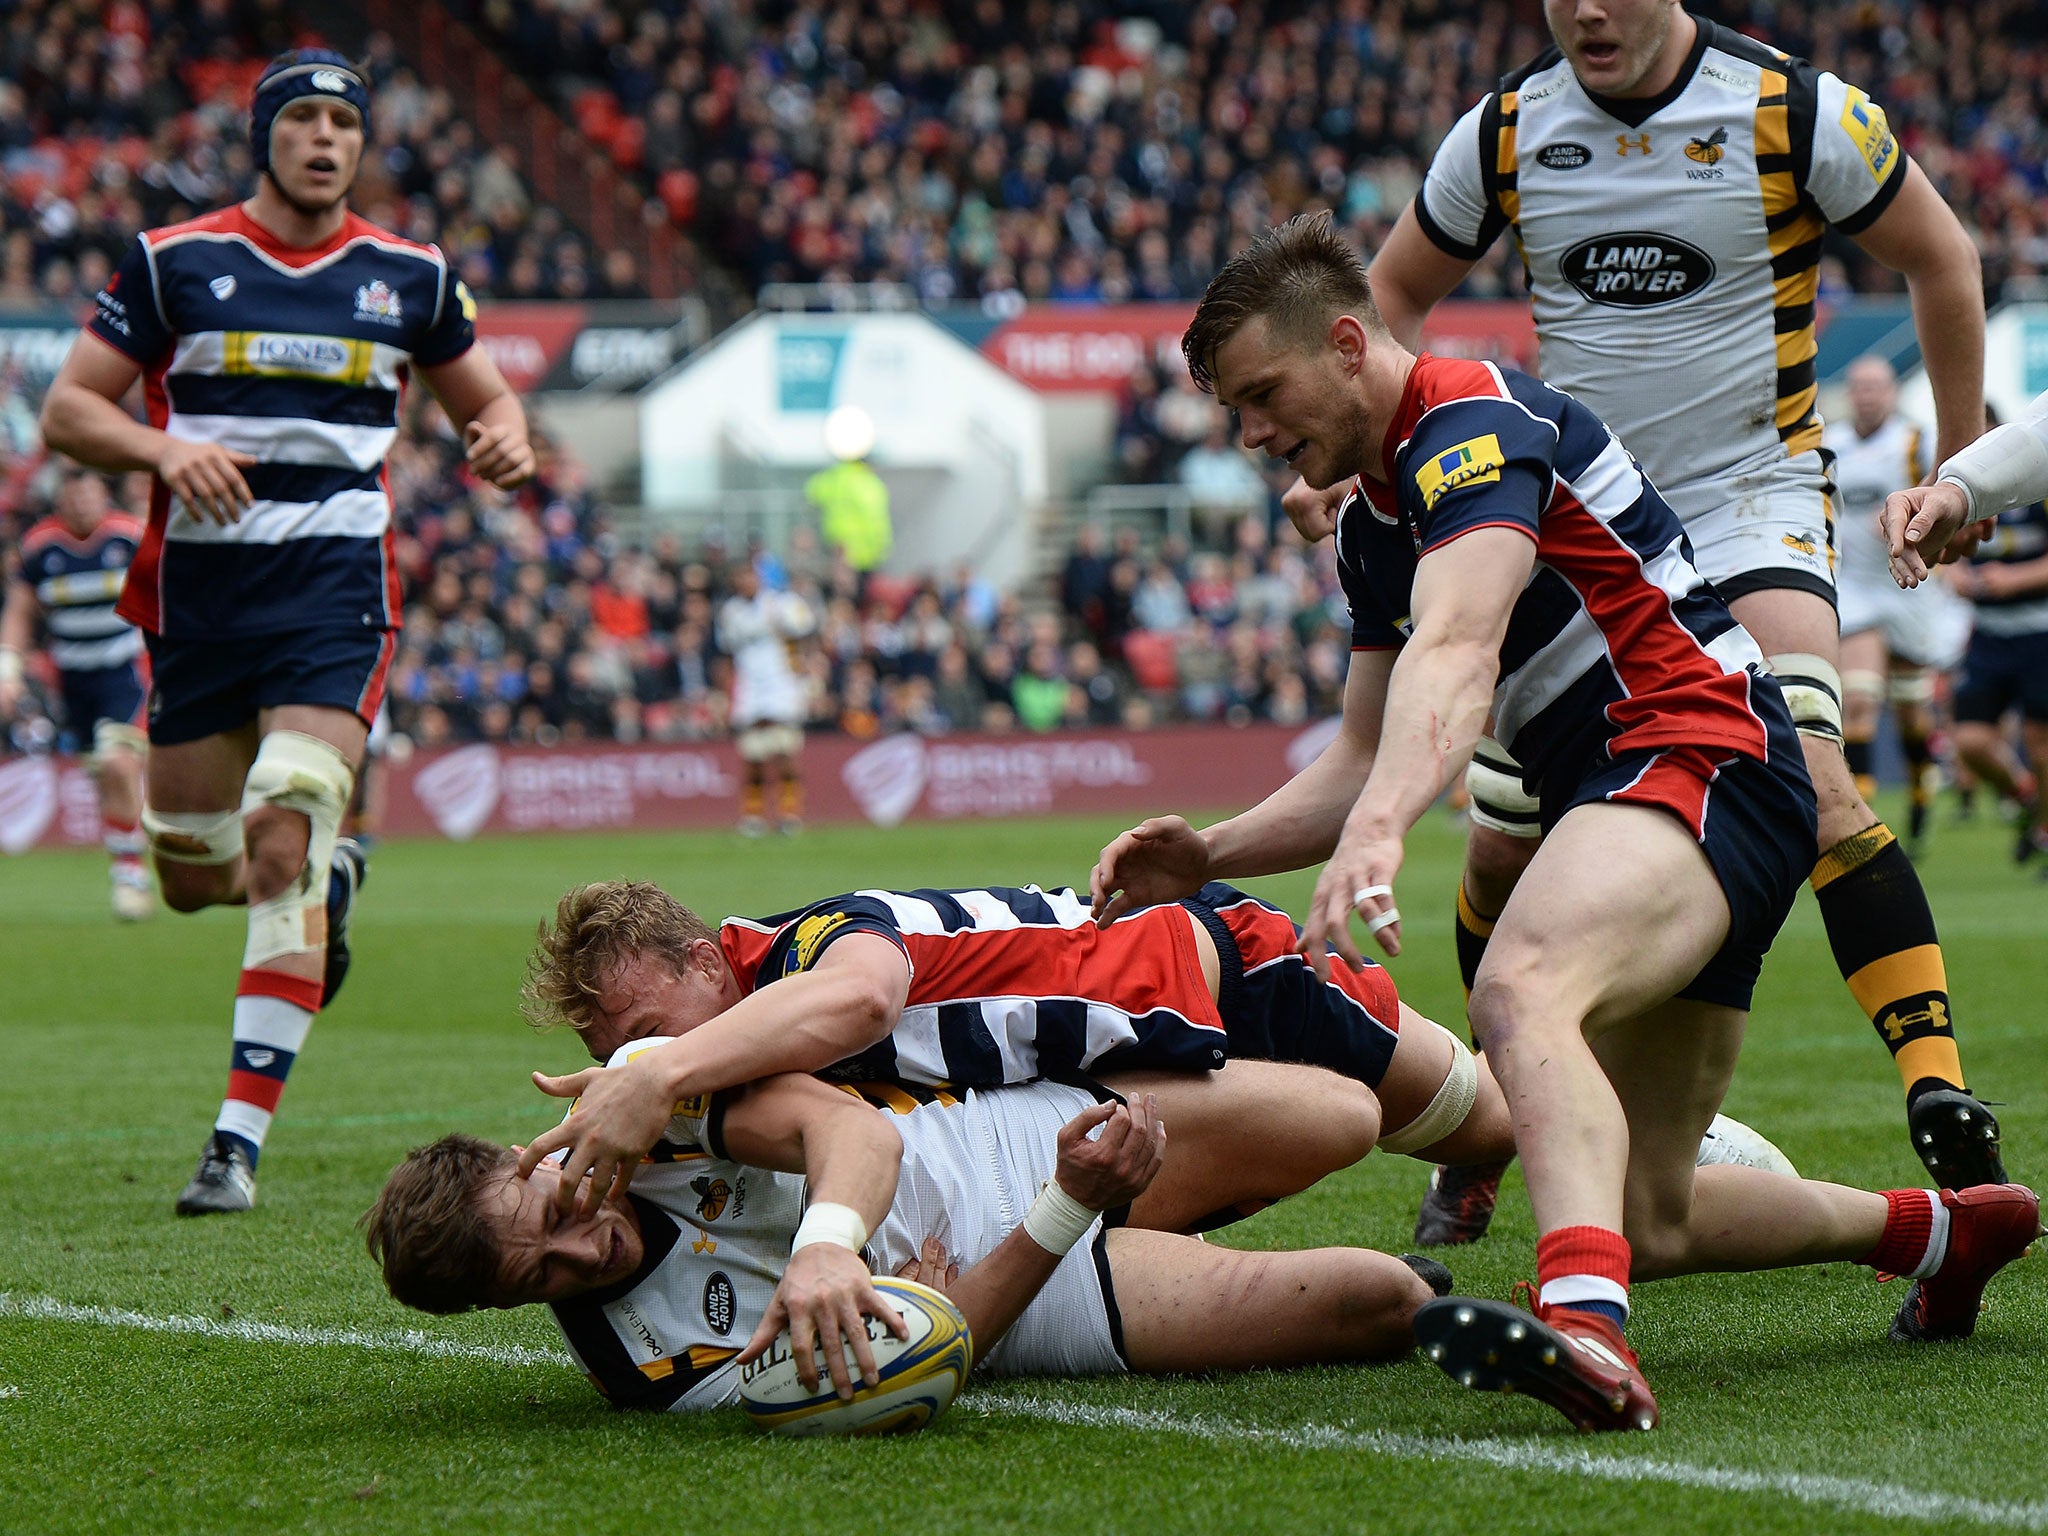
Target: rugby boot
x,y
1577,1363
1458,1205
1988,1228
346,875
1956,1137
224,1183
1431,1273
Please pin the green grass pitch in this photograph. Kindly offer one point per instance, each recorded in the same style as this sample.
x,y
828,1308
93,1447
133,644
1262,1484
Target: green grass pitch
x,y
249,1374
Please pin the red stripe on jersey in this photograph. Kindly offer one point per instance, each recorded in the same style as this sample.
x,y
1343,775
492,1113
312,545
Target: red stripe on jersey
x,y
142,596
1145,962
1677,781
1433,381
255,1088
394,593
115,525
1267,937
233,222
299,991
1678,694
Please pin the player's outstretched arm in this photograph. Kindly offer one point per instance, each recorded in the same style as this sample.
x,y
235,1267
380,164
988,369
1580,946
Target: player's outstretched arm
x,y
1918,237
1436,707
83,417
1410,276
1092,1175
1165,859
849,1153
489,416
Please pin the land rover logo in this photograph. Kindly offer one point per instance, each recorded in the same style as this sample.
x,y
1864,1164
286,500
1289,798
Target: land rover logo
x,y
1636,269
718,1303
1564,157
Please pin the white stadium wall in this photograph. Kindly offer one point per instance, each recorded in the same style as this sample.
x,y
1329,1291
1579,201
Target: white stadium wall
x,y
962,445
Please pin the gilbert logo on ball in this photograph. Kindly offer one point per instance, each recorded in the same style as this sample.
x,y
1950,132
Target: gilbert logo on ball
x,y
28,802
887,779
461,790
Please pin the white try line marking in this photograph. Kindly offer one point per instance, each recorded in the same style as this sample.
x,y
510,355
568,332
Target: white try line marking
x,y
410,1341
1886,1500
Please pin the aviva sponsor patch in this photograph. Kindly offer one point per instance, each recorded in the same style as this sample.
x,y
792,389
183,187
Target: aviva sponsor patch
x,y
275,355
1863,120
810,935
1470,463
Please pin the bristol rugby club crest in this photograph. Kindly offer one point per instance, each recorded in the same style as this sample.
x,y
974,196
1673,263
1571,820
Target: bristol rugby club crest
x,y
377,301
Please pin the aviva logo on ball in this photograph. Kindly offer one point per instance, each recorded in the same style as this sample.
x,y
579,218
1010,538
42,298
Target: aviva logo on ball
x,y
919,1375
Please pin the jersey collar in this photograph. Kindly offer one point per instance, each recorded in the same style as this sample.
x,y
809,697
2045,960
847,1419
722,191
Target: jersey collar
x,y
292,255
1638,110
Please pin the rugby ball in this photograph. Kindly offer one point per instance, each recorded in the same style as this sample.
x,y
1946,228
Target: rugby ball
x,y
1730,1141
919,1375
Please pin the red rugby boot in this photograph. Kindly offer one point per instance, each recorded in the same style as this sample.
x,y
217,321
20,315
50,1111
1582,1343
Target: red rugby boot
x,y
1989,1227
1576,1362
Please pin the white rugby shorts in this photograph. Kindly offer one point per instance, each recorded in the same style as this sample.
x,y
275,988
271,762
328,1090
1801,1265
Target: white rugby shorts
x,y
970,1171
1929,626
1771,528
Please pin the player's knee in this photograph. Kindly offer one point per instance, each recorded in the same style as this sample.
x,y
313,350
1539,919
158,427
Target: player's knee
x,y
1373,1305
1862,699
196,855
117,750
1813,693
292,805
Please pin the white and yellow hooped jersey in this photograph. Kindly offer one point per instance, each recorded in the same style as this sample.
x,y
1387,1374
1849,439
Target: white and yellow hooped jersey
x,y
1868,469
1673,247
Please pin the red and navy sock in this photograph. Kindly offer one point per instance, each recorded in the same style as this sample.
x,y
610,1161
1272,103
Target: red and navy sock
x,y
273,1013
1584,1269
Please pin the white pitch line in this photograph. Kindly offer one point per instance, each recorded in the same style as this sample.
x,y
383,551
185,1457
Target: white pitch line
x,y
1886,1500
409,1341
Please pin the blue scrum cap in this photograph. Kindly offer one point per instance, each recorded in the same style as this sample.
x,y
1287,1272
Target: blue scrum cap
x,y
294,76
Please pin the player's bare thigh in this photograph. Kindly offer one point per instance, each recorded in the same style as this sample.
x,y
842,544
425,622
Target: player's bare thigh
x,y
1620,909
1783,621
1249,1134
1192,1306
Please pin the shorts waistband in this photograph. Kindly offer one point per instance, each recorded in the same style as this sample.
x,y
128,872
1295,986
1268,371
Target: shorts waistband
x,y
1230,993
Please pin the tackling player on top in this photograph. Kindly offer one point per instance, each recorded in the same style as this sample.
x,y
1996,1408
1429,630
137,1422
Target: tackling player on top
x,y
1668,183
273,339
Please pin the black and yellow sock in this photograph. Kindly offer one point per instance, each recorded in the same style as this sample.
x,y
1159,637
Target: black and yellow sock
x,y
1859,755
791,798
1882,932
1919,781
1473,932
754,796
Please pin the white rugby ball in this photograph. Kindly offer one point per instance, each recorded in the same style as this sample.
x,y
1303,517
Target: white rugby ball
x,y
919,1375
1730,1141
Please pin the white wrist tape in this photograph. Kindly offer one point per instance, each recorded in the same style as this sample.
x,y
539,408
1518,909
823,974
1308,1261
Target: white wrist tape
x,y
2006,467
1056,1220
826,1222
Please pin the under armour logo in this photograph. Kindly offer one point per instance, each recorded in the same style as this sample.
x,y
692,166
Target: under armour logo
x,y
1624,142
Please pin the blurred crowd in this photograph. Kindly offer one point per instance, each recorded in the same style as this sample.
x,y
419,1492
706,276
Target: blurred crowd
x,y
121,115
1084,151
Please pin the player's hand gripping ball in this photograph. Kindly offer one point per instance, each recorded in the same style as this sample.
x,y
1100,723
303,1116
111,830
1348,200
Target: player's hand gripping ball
x,y
919,1375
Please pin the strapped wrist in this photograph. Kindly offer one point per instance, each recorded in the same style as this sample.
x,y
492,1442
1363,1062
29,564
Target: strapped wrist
x,y
1056,1220
828,1222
